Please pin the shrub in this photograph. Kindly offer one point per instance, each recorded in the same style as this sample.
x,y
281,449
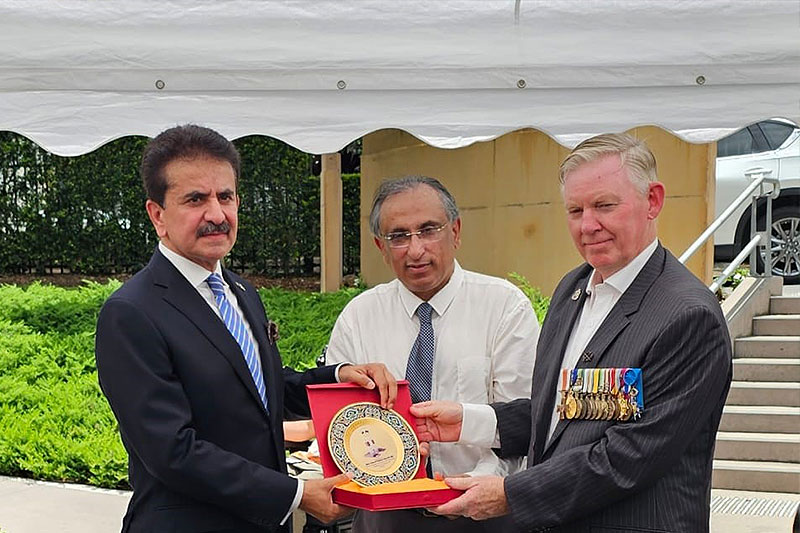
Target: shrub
x,y
55,423
539,301
305,321
49,309
86,214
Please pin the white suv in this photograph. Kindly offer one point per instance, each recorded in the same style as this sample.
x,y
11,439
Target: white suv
x,y
773,145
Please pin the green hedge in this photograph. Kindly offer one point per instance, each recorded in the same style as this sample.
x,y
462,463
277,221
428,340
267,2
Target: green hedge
x,y
305,321
86,214
55,423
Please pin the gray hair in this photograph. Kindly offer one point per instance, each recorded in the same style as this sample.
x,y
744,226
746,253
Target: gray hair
x,y
633,154
391,187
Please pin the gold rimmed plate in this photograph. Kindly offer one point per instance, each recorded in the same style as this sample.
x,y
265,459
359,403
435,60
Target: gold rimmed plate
x,y
377,445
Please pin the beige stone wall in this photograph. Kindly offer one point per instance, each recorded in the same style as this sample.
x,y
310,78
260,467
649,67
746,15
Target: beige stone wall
x,y
511,209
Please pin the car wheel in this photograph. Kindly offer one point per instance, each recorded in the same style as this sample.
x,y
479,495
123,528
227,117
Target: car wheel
x,y
785,243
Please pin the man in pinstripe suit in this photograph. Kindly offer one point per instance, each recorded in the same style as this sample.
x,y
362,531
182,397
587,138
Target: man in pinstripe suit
x,y
630,305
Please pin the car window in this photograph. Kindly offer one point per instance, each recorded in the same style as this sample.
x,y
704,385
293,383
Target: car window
x,y
776,133
737,143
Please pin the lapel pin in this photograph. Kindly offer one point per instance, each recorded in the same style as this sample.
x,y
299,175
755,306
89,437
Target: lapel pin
x,y
576,295
241,287
272,332
587,356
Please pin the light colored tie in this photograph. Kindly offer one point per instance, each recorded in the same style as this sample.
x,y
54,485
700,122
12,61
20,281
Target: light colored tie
x,y
419,371
235,324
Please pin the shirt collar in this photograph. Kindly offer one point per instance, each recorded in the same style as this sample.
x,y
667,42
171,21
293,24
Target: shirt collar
x,y
623,278
440,301
194,273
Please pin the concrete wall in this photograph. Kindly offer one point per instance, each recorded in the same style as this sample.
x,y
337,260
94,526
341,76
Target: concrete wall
x,y
511,208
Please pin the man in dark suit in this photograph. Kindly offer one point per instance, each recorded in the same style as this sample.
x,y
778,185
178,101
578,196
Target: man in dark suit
x,y
189,364
631,305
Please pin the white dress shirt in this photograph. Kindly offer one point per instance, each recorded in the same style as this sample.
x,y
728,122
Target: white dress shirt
x,y
479,425
485,333
197,276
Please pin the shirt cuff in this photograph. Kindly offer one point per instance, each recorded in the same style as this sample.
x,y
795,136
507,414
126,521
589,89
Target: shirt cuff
x,y
296,502
479,426
336,373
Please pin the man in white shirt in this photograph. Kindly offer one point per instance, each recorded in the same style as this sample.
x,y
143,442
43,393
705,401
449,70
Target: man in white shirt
x,y
191,369
632,305
473,338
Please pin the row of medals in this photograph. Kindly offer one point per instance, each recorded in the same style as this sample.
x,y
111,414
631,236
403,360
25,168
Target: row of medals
x,y
596,394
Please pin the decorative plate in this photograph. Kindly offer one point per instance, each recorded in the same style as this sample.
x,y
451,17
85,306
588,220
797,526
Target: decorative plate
x,y
377,445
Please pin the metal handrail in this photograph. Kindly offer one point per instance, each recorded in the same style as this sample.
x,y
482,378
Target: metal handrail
x,y
760,176
745,195
734,264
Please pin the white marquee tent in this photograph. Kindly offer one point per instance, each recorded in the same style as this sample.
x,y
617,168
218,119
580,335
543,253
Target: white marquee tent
x,y
320,73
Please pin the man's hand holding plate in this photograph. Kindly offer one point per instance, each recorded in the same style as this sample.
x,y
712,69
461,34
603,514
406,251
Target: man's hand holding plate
x,y
317,500
438,421
485,498
369,376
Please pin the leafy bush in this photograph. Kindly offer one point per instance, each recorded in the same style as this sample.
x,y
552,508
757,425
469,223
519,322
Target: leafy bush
x,y
305,321
55,423
86,214
49,309
539,301
736,278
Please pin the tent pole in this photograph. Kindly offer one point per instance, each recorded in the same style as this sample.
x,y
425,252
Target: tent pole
x,y
331,223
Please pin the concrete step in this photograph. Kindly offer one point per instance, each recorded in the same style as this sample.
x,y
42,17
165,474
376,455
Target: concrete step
x,y
742,511
777,325
764,393
760,418
781,447
767,346
766,369
766,476
784,304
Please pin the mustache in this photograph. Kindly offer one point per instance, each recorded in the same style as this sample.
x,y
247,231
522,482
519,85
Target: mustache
x,y
210,227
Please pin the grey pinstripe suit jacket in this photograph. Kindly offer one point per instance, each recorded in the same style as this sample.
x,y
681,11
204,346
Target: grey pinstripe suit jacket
x,y
653,474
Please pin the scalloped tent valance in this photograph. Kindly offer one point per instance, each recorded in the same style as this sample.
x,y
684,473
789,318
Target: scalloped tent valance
x,y
321,73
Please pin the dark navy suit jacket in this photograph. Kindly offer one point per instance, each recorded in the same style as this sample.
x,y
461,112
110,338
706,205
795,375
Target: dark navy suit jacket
x,y
205,455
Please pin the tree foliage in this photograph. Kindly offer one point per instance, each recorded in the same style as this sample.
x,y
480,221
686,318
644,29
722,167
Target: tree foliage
x,y
86,214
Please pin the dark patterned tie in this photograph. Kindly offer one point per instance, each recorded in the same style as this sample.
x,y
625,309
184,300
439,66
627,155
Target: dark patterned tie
x,y
419,371
235,324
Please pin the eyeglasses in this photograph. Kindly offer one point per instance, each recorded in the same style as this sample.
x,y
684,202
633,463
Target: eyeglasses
x,y
402,239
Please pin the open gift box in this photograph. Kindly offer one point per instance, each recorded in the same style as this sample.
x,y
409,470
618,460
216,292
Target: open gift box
x,y
326,401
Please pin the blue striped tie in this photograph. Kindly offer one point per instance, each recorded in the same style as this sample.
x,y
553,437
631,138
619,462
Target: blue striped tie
x,y
235,324
419,371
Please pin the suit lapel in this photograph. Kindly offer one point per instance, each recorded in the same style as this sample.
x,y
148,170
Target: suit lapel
x,y
550,373
185,299
616,321
255,317
270,358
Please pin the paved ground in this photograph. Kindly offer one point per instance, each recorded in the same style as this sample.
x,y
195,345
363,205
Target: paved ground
x,y
36,507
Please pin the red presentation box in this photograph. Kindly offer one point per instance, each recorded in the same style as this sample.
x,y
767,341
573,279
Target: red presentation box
x,y
326,401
